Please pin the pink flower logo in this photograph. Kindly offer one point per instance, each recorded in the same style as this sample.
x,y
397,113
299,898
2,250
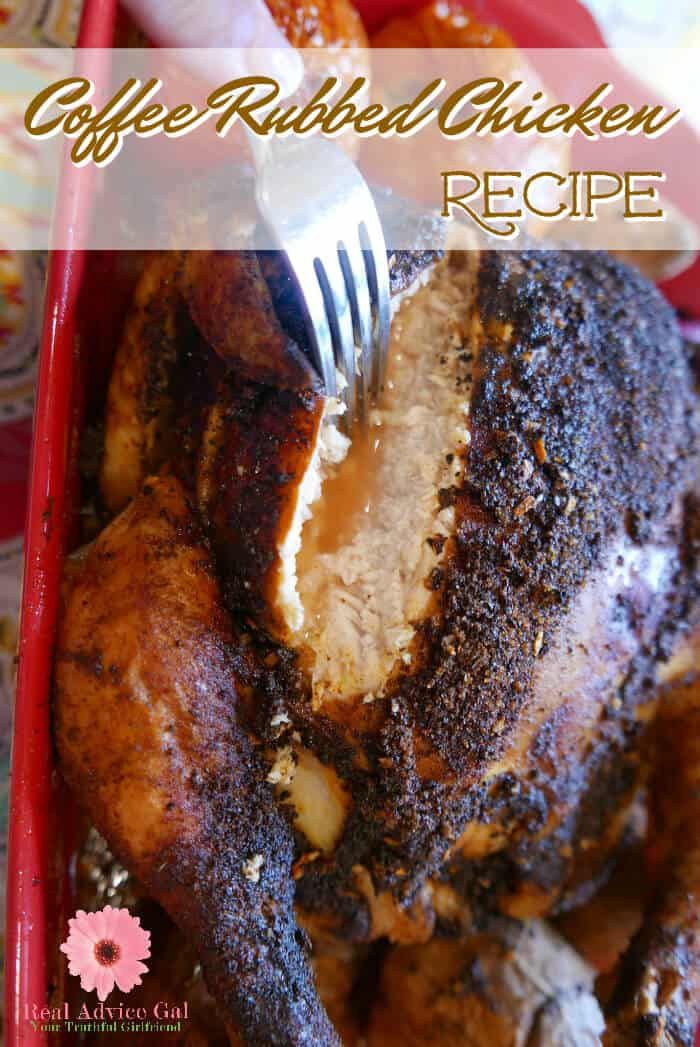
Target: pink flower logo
x,y
106,948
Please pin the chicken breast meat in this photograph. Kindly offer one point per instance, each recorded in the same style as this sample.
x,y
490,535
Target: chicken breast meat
x,y
449,631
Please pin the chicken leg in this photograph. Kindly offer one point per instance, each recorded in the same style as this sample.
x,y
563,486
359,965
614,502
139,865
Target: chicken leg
x,y
145,712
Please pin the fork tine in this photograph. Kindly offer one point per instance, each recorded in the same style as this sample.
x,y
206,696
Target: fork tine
x,y
335,293
316,316
353,263
372,239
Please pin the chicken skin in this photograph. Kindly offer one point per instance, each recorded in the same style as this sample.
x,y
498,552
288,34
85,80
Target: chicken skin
x,y
139,419
393,701
656,998
146,725
452,630
490,719
513,985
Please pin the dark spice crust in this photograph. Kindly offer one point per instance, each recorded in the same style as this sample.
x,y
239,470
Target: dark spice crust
x,y
581,431
584,413
146,715
581,423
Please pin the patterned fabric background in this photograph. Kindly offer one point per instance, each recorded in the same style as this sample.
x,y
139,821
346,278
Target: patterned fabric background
x,y
41,22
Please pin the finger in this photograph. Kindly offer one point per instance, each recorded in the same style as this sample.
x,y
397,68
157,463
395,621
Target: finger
x,y
246,26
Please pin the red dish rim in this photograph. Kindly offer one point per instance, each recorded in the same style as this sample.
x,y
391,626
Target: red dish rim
x,y
44,542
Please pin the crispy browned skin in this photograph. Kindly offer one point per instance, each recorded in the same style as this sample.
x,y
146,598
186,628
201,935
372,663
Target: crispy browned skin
x,y
164,377
507,986
657,996
230,304
140,421
506,763
442,23
319,23
569,401
556,802
514,750
145,713
256,447
500,767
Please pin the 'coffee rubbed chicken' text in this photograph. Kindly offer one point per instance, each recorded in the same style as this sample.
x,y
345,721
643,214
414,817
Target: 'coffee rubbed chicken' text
x,y
485,106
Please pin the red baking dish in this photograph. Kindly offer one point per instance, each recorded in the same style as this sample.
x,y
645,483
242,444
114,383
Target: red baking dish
x,y
40,845
36,806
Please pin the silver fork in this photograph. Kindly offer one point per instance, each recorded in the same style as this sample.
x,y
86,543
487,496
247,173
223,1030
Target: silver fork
x,y
320,212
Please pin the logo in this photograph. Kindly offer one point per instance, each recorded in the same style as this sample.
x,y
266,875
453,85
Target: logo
x,y
105,949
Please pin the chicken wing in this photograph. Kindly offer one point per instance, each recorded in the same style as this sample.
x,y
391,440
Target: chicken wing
x,y
140,418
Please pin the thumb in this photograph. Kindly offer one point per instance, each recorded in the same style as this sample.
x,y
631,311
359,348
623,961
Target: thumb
x,y
246,25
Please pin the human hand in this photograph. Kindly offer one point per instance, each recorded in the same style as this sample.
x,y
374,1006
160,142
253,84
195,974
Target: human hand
x,y
241,24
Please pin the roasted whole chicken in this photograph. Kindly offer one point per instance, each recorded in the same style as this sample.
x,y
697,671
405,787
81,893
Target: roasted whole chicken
x,y
365,719
407,689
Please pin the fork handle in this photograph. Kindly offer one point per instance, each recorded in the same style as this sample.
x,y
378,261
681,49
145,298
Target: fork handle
x,y
258,148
